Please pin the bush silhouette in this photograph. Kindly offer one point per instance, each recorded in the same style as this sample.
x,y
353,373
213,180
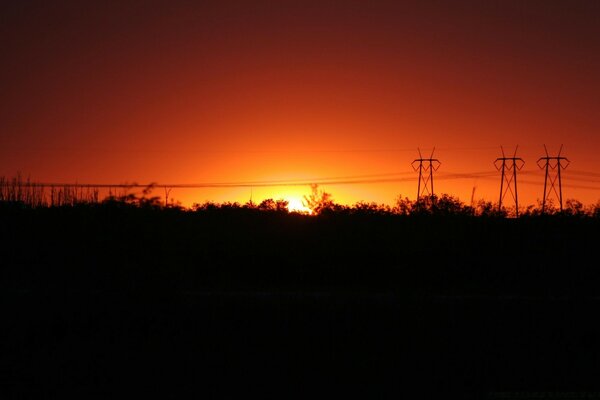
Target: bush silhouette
x,y
318,201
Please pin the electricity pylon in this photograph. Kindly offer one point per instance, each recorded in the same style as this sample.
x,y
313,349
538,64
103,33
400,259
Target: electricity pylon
x,y
509,167
554,164
426,168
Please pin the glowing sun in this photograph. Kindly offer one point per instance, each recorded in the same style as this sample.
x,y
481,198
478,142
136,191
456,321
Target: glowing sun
x,y
295,205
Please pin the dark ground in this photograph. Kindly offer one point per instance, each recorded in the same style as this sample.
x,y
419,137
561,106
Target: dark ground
x,y
226,304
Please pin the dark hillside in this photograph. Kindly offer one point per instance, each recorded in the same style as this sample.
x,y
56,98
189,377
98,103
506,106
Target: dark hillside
x,y
114,248
239,301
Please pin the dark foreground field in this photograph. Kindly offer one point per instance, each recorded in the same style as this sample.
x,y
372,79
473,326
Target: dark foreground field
x,y
230,304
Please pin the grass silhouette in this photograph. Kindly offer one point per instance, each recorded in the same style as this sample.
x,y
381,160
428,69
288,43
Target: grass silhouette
x,y
225,300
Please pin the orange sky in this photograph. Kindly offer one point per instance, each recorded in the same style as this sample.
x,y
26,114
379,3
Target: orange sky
x,y
177,92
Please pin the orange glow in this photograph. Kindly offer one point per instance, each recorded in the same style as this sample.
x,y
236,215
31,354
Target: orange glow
x,y
205,93
296,205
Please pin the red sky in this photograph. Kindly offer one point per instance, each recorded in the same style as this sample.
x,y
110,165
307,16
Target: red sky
x,y
192,92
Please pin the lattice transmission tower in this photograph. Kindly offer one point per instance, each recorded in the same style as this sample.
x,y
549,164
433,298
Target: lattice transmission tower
x,y
508,180
552,167
426,167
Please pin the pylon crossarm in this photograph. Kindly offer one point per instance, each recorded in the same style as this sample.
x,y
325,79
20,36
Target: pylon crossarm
x,y
519,164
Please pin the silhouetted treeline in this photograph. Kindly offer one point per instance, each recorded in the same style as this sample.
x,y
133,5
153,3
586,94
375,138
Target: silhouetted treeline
x,y
229,246
433,298
26,193
444,205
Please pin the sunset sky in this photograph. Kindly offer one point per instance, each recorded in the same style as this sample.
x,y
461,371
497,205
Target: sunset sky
x,y
251,91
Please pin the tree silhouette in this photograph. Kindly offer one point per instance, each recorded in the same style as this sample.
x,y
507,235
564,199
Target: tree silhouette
x,y
318,200
278,205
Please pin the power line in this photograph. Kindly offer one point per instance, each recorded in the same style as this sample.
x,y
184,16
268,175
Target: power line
x,y
308,182
251,151
583,173
426,168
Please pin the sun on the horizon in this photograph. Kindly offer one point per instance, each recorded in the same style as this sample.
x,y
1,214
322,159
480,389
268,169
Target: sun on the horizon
x,y
296,205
